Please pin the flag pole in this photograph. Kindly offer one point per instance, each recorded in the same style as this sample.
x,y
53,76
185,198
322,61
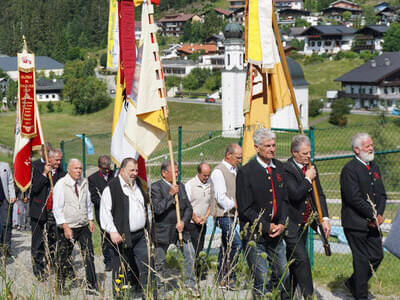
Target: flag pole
x,y
165,111
296,111
46,155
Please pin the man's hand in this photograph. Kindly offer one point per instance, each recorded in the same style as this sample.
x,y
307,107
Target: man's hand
x,y
91,226
380,219
275,230
196,219
47,168
67,232
26,200
311,173
174,189
116,238
326,226
204,220
12,200
180,226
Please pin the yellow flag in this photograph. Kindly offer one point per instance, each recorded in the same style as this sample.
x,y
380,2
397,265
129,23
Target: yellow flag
x,y
261,51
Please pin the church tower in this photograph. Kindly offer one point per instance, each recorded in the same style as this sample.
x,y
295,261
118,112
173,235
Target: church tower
x,y
233,79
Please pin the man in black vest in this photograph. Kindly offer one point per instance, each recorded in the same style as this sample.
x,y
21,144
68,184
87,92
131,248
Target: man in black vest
x,y
166,226
363,204
41,212
123,214
298,178
262,205
97,182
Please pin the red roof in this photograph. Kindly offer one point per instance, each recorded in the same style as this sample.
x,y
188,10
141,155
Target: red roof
x,y
223,11
192,48
177,18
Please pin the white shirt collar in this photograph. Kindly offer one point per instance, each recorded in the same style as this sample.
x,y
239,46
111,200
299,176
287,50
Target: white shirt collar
x,y
363,162
124,184
166,182
264,165
298,164
228,165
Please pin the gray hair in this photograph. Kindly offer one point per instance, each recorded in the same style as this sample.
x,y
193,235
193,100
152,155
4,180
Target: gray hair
x,y
299,140
72,161
357,139
53,152
165,164
231,148
261,134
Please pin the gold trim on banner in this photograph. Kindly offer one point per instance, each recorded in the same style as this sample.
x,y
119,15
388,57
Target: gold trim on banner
x,y
26,70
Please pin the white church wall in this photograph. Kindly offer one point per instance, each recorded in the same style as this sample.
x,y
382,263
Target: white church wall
x,y
233,85
286,118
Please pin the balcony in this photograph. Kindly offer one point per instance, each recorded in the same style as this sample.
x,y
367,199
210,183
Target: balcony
x,y
343,94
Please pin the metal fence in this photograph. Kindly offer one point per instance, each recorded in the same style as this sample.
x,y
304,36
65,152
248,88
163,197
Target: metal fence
x,y
331,150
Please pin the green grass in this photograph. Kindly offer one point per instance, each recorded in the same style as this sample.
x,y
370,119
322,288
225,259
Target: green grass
x,y
321,76
334,270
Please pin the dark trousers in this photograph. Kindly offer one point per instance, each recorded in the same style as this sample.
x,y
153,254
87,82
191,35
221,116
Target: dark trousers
x,y
268,253
228,256
83,236
43,232
300,269
106,246
367,251
131,262
197,235
6,210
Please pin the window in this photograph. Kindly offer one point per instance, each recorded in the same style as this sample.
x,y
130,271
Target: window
x,y
53,96
229,59
319,44
312,44
328,43
352,90
393,90
385,90
47,96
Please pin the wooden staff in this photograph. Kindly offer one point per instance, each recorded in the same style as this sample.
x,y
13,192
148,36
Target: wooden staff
x,y
296,111
165,110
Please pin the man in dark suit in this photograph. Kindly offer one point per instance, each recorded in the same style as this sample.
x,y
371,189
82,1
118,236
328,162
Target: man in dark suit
x,y
363,203
301,204
123,215
262,205
41,211
166,226
7,199
97,182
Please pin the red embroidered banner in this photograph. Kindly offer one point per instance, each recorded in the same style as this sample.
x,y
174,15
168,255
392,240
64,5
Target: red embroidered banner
x,y
26,94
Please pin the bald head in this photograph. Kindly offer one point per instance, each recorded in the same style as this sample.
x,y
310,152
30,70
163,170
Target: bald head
x,y
233,154
203,172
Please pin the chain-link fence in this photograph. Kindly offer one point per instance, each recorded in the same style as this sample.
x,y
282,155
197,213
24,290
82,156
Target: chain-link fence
x,y
331,151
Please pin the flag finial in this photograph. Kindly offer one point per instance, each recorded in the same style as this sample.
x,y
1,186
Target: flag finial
x,y
25,45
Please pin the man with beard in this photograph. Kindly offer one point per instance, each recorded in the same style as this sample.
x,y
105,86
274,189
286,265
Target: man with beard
x,y
363,204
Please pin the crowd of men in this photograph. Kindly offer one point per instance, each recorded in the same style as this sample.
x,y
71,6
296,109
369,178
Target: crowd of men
x,y
273,202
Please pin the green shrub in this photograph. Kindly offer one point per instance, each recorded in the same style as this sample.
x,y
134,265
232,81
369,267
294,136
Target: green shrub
x,y
313,59
340,108
50,106
314,108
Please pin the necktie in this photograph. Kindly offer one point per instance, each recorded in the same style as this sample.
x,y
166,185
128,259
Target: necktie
x,y
76,189
307,212
274,207
49,204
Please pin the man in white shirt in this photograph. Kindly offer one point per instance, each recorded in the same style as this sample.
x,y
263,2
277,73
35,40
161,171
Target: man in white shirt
x,y
123,215
73,212
199,193
224,210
